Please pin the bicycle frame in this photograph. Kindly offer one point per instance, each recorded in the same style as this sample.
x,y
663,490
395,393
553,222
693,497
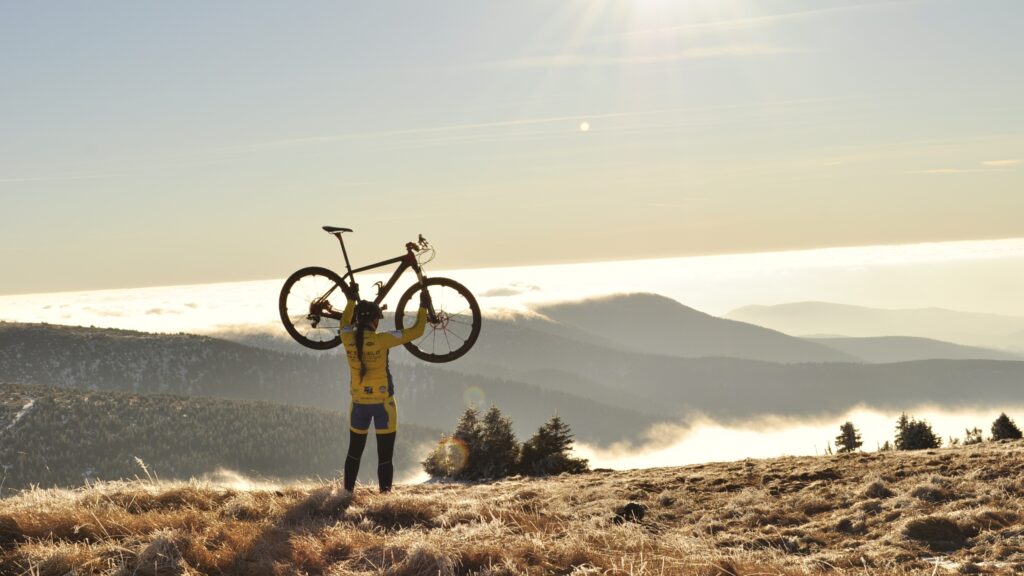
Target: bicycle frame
x,y
406,261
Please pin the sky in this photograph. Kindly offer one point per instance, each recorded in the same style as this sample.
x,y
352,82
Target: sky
x,y
180,143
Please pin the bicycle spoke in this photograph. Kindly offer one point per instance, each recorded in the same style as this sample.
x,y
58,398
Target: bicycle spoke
x,y
446,332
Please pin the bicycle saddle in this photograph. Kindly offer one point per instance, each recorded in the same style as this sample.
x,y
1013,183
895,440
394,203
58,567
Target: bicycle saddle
x,y
336,230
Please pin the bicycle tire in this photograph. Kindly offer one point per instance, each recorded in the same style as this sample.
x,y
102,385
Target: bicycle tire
x,y
294,306
462,310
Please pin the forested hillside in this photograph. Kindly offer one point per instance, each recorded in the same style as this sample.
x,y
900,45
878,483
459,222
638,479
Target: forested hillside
x,y
104,359
109,359
58,437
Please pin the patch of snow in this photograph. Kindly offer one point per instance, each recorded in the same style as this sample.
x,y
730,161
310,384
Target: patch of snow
x,y
24,410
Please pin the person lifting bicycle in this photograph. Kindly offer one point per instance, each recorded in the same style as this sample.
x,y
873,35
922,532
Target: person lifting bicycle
x,y
305,301
372,387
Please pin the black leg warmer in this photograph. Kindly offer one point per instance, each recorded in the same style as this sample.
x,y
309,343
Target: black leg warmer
x,y
385,468
356,443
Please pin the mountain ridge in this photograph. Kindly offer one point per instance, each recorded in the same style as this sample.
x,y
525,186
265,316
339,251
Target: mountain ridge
x,y
889,349
815,317
654,324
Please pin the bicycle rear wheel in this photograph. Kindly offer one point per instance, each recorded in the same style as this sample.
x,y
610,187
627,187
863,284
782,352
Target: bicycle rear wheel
x,y
457,320
302,295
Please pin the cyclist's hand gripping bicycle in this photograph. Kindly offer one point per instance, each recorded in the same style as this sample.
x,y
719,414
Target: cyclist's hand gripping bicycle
x,y
311,300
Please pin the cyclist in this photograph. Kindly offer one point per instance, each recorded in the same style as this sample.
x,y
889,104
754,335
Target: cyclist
x,y
373,391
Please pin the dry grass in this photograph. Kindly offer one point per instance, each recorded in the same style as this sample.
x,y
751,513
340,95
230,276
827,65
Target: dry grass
x,y
941,511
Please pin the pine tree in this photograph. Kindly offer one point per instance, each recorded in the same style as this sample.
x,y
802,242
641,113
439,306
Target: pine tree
x,y
499,449
848,439
914,434
456,455
1004,429
468,435
901,428
547,452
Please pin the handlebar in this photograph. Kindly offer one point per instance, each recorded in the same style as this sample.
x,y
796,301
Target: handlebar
x,y
422,244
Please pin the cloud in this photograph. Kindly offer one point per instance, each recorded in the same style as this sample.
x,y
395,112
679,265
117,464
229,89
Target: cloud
x,y
161,312
956,171
104,312
51,178
573,60
485,130
1001,163
512,290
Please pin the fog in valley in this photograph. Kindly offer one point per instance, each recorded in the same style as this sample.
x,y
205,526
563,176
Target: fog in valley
x,y
768,437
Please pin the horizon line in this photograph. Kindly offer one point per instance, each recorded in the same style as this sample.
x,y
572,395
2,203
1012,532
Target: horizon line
x,y
586,262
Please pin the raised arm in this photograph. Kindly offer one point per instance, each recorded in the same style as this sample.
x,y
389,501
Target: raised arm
x,y
346,314
399,337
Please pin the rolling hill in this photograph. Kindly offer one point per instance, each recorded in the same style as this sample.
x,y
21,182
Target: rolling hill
x,y
119,360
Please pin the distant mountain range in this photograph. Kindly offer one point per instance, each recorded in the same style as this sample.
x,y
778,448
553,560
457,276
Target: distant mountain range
x,y
886,349
611,368
823,318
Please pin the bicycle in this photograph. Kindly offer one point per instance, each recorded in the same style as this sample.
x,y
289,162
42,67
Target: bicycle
x,y
453,315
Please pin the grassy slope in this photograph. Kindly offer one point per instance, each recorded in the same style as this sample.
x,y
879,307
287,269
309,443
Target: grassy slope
x,y
872,514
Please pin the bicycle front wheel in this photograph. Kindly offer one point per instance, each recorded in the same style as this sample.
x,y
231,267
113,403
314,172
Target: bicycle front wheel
x,y
304,294
456,324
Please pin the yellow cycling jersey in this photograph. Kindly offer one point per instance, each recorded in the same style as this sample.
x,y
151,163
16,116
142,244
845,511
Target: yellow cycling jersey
x,y
376,386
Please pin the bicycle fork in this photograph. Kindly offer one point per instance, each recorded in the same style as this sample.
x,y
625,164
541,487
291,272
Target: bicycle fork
x,y
431,315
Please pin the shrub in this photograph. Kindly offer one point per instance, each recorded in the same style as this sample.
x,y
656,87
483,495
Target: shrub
x,y
1004,429
914,434
972,436
458,455
477,449
487,448
547,452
